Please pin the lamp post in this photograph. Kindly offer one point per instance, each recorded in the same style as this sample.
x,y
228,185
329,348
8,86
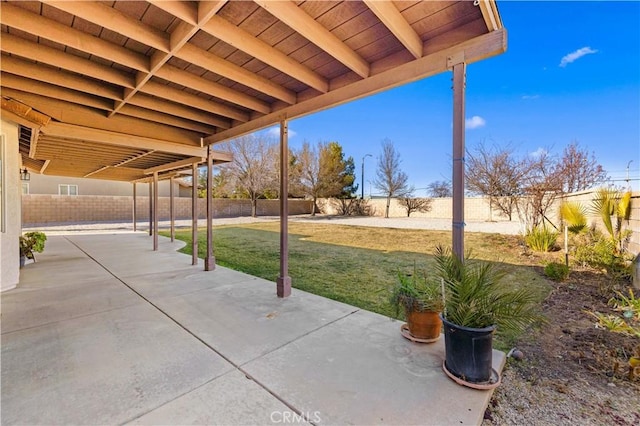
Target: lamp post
x,y
628,164
362,177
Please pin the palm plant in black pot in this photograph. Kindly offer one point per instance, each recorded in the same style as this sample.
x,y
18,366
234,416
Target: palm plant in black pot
x,y
478,301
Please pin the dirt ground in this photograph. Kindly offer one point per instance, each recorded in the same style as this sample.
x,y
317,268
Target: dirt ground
x,y
572,372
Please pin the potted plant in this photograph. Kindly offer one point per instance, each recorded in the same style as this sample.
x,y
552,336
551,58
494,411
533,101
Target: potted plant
x,y
477,302
30,243
422,302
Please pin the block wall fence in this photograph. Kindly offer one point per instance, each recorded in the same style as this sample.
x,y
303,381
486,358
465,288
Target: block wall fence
x,y
39,210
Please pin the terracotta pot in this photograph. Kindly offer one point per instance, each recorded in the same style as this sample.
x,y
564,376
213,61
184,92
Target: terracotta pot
x,y
424,325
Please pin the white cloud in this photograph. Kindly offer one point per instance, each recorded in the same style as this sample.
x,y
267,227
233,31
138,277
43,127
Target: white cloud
x,y
275,132
574,56
474,122
538,153
530,97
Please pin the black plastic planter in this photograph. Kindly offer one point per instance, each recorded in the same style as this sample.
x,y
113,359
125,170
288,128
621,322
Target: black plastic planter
x,y
468,352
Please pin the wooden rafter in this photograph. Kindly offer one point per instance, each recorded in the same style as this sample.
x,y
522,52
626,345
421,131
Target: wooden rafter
x,y
393,20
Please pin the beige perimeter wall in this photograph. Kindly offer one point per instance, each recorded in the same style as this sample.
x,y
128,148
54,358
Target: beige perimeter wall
x,y
40,210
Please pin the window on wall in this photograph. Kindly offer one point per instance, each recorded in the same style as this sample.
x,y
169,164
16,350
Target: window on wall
x,y
66,189
25,188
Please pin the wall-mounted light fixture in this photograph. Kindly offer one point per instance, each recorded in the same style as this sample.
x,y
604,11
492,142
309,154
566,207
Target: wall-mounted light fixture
x,y
24,174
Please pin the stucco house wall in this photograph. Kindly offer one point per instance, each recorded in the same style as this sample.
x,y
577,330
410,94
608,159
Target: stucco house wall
x,y
11,214
48,185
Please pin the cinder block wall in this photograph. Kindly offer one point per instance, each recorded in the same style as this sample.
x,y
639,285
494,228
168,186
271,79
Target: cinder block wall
x,y
60,209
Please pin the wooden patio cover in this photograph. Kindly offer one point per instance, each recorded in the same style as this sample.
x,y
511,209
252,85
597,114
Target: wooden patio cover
x,y
120,89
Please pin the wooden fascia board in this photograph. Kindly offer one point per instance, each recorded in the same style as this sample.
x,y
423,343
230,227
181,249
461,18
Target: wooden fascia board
x,y
240,39
473,50
69,131
16,17
174,165
391,17
309,28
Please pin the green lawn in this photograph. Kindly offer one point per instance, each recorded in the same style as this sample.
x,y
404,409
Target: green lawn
x,y
355,265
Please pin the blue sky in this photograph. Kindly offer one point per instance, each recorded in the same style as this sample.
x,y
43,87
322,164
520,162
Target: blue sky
x,y
529,97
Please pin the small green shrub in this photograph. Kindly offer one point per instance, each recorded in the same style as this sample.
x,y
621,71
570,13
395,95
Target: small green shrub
x,y
541,239
556,271
596,250
32,242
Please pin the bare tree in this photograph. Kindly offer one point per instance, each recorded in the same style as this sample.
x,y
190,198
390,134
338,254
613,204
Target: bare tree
x,y
390,180
497,174
440,189
253,168
578,170
412,204
541,186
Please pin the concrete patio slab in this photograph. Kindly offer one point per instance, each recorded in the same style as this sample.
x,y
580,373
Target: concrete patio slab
x,y
245,320
232,399
361,371
104,368
204,347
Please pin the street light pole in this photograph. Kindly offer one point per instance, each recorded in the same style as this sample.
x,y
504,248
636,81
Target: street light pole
x,y
628,164
362,176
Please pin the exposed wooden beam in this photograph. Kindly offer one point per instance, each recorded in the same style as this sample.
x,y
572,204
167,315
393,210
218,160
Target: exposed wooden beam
x,y
184,10
213,63
187,79
174,165
44,166
19,18
108,17
57,58
14,65
207,9
69,131
185,98
33,143
391,17
238,38
96,171
178,110
309,28
134,158
25,112
56,92
489,14
171,120
472,50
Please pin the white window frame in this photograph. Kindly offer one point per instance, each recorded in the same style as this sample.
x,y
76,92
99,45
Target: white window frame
x,y
23,186
68,186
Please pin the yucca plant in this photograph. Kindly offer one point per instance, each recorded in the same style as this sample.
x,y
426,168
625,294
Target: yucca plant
x,y
613,208
477,296
541,238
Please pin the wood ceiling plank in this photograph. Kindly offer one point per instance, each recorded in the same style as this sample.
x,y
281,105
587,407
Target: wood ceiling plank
x,y
393,20
240,39
297,19
184,10
14,65
17,17
190,80
233,72
108,17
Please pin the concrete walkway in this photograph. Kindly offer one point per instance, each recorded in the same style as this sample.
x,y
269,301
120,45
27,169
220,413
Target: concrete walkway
x,y
102,330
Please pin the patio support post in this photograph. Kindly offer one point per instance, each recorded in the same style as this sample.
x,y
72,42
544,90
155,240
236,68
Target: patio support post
x,y
194,214
155,211
459,77
209,260
134,210
172,213
283,283
150,208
